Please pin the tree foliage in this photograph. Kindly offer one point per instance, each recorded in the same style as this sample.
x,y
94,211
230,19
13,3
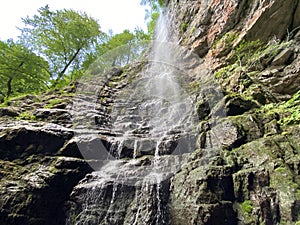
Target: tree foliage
x,y
125,45
21,71
155,5
56,47
119,50
152,15
63,37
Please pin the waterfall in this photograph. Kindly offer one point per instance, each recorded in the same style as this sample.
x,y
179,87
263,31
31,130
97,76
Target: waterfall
x,y
161,104
151,119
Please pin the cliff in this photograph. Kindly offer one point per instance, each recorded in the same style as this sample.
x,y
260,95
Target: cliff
x,y
239,164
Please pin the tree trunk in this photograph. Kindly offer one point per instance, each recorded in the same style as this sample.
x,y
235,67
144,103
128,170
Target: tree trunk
x,y
9,89
62,73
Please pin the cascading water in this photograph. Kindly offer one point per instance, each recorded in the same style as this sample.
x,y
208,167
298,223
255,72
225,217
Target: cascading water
x,y
162,107
150,117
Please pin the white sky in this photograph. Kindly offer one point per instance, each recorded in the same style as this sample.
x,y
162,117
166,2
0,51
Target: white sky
x,y
117,15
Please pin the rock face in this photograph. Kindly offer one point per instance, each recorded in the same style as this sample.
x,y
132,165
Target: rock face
x,y
238,165
199,24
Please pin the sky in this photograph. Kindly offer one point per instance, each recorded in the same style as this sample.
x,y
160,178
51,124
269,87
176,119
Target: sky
x,y
117,15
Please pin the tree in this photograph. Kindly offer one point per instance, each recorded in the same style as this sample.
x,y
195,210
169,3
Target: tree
x,y
152,23
21,71
63,37
119,50
155,5
122,55
152,15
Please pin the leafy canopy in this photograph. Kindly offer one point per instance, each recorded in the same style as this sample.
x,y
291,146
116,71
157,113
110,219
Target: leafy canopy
x,y
21,71
152,15
57,47
63,37
119,50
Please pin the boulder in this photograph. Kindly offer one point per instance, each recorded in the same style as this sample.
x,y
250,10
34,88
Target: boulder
x,y
22,141
10,111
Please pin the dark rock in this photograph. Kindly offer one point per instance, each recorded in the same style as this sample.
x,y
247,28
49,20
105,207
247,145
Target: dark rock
x,y
10,111
38,192
282,57
23,141
236,105
235,132
282,83
70,149
121,193
203,109
274,21
209,196
296,22
53,114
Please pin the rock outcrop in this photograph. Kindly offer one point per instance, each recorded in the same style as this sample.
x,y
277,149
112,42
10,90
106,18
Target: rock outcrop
x,y
239,165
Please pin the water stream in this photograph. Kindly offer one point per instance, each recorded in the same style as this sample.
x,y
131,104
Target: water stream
x,y
150,117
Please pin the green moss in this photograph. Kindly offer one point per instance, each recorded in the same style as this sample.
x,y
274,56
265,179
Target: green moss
x,y
162,3
193,30
244,51
227,71
247,56
53,102
26,116
289,111
4,104
247,206
226,40
8,101
183,27
293,107
53,169
254,54
68,94
193,86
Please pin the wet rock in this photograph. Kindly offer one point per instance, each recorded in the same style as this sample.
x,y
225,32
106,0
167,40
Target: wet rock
x,y
10,111
90,147
57,115
22,141
244,170
282,57
35,193
235,105
124,192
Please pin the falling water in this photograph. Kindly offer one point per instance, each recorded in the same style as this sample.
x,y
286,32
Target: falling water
x,y
135,149
163,106
162,112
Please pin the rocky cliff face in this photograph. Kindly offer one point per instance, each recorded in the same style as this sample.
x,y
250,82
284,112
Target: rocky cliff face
x,y
240,164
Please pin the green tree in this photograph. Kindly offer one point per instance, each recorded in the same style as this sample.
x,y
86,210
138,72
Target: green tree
x,y
122,55
153,13
155,6
63,37
119,50
152,23
21,71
